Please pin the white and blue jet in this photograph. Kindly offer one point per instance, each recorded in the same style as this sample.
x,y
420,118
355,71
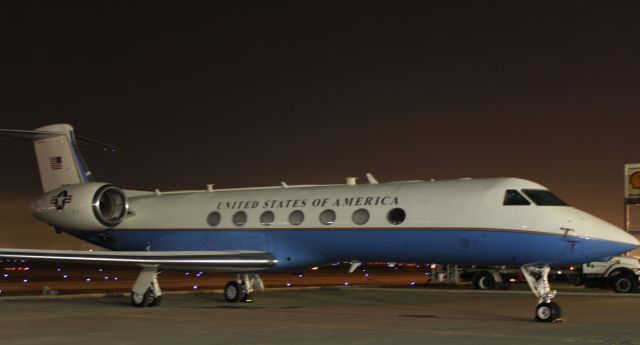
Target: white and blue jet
x,y
497,221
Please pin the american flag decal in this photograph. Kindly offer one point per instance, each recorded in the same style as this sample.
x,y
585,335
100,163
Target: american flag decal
x,y
56,163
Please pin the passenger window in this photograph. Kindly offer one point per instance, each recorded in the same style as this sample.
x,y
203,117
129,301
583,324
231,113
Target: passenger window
x,y
360,216
327,217
543,197
512,197
296,217
240,218
396,216
267,218
214,218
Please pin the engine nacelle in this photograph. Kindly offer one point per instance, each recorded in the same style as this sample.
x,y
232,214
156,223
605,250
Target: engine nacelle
x,y
90,206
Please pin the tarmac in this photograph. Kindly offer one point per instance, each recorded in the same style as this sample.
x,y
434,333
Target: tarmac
x,y
328,315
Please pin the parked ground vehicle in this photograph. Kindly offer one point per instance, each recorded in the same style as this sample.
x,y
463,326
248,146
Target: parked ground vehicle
x,y
489,278
621,273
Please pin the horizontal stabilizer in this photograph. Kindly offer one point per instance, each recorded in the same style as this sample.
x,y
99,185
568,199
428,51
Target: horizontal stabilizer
x,y
83,143
220,261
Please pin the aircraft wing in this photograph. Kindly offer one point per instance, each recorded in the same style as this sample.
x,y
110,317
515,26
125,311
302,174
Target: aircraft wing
x,y
219,261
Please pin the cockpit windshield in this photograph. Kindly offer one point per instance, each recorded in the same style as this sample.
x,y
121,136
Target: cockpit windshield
x,y
543,197
513,198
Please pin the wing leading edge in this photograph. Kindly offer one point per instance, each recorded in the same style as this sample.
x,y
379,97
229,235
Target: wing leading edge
x,y
218,261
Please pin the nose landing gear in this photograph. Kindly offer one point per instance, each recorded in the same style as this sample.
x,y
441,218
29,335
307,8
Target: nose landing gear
x,y
537,276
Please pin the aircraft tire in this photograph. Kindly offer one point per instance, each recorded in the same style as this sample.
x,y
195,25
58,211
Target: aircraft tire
x,y
156,301
548,312
234,292
625,283
143,300
484,281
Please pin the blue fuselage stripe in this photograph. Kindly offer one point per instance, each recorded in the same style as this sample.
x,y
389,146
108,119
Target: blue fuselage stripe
x,y
299,249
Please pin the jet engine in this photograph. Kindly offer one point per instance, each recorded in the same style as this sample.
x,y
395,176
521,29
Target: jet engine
x,y
90,206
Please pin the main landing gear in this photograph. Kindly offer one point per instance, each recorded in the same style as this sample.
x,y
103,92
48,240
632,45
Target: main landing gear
x,y
146,290
537,276
240,290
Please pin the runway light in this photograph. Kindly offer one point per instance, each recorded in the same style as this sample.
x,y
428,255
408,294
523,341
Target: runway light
x,y
6,275
65,276
186,273
106,277
58,269
314,268
199,274
413,284
346,283
288,284
115,278
512,280
99,269
300,276
366,274
559,272
87,279
433,266
195,287
24,281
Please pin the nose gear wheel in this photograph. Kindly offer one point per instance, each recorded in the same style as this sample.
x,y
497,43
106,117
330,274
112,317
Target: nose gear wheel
x,y
537,276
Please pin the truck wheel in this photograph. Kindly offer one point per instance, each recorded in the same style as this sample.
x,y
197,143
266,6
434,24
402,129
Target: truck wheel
x,y
484,281
625,283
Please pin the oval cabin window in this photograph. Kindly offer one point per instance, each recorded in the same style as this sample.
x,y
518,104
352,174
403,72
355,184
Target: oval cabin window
x,y
240,218
213,219
327,217
360,216
396,216
296,217
267,218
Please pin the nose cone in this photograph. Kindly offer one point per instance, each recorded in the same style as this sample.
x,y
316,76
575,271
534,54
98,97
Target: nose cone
x,y
611,233
628,239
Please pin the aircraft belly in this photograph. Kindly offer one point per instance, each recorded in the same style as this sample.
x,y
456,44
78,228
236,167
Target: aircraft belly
x,y
305,248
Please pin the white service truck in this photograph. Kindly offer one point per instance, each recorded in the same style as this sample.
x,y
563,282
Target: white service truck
x,y
622,273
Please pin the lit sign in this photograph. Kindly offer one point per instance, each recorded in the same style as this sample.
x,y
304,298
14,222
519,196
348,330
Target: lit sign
x,y
632,181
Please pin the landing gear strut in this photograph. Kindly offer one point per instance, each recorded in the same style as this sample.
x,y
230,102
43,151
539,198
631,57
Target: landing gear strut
x,y
537,276
146,290
240,290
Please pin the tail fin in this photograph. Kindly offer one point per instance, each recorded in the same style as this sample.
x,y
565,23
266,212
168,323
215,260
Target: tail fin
x,y
59,159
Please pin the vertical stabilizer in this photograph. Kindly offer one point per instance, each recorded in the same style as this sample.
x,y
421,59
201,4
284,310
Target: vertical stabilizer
x,y
59,160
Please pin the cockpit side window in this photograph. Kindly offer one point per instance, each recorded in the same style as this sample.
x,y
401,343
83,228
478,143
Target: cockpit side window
x,y
543,197
512,197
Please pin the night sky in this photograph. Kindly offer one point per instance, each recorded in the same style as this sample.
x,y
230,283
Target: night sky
x,y
251,94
